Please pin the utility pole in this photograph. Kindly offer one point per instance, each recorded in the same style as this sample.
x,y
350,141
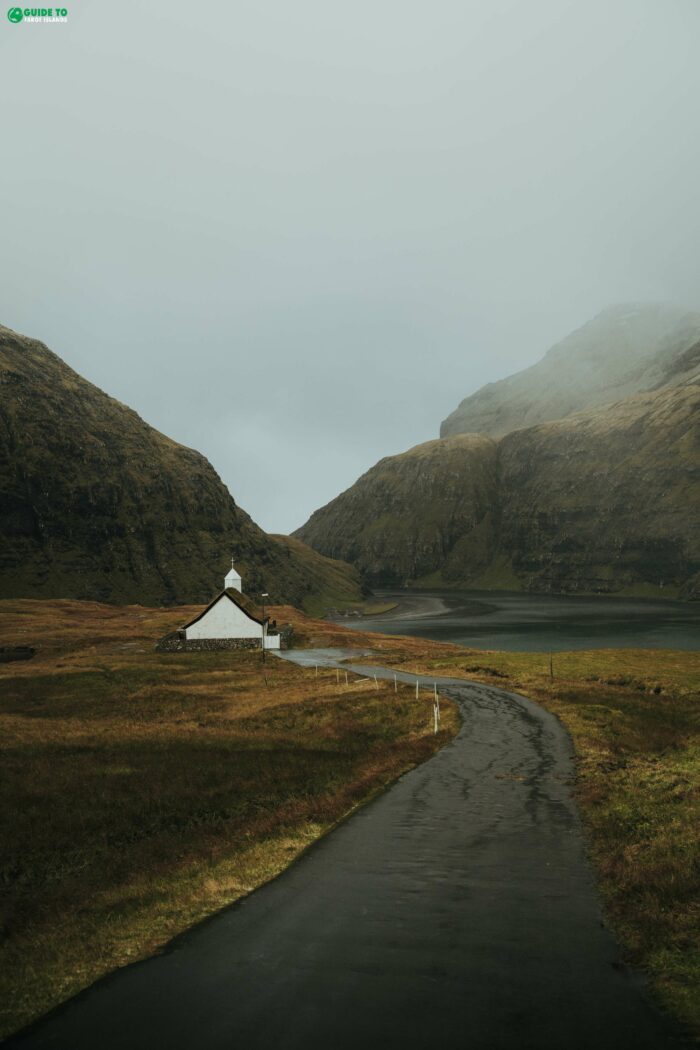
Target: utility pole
x,y
264,595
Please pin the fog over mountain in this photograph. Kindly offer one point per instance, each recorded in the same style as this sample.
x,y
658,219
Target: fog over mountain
x,y
293,236
625,350
604,500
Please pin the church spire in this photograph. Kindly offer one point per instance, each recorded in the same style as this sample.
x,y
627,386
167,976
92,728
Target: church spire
x,y
233,580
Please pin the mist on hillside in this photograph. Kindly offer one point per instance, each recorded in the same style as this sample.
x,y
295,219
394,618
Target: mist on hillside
x,y
296,236
624,350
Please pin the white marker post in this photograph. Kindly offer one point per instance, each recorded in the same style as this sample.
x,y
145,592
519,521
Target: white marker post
x,y
337,674
346,677
416,688
376,683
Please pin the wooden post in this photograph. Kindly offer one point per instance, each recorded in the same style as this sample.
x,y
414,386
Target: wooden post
x,y
416,688
346,677
551,667
337,674
396,688
316,669
376,683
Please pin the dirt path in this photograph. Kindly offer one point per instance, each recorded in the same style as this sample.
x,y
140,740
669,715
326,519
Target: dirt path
x,y
456,910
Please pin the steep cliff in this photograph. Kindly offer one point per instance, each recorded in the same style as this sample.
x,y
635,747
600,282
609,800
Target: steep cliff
x,y
431,508
625,350
94,503
604,501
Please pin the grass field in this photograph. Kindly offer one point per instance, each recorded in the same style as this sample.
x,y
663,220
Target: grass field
x,y
113,850
142,791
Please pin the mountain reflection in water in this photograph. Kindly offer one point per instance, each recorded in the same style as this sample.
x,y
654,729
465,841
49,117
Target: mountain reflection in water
x,y
538,623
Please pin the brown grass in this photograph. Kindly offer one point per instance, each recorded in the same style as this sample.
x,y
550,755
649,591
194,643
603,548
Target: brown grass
x,y
142,791
101,728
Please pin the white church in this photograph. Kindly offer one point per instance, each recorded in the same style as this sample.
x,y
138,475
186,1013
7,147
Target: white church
x,y
230,621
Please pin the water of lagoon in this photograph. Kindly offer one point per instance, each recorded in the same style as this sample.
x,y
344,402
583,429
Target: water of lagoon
x,y
539,623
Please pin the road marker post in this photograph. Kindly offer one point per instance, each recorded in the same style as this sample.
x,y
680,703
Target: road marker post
x,y
396,688
376,683
416,688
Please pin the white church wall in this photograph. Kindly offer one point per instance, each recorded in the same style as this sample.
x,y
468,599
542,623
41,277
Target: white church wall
x,y
226,620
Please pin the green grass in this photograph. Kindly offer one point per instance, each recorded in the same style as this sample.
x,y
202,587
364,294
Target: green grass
x,y
498,576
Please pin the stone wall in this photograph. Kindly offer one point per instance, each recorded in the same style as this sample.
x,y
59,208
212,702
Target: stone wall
x,y
175,642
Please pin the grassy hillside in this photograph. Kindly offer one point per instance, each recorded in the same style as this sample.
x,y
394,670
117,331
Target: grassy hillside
x,y
142,791
605,501
426,509
94,503
329,583
625,350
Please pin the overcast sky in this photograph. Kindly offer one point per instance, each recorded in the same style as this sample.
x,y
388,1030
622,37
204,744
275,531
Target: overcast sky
x,y
293,235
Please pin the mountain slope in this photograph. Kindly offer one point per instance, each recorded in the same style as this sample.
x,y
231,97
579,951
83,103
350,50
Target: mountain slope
x,y
427,509
94,503
608,499
605,501
625,350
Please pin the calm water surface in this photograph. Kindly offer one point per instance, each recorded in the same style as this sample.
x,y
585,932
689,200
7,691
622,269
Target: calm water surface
x,y
538,623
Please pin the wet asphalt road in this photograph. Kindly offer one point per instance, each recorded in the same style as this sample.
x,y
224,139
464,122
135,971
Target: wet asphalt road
x,y
456,910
